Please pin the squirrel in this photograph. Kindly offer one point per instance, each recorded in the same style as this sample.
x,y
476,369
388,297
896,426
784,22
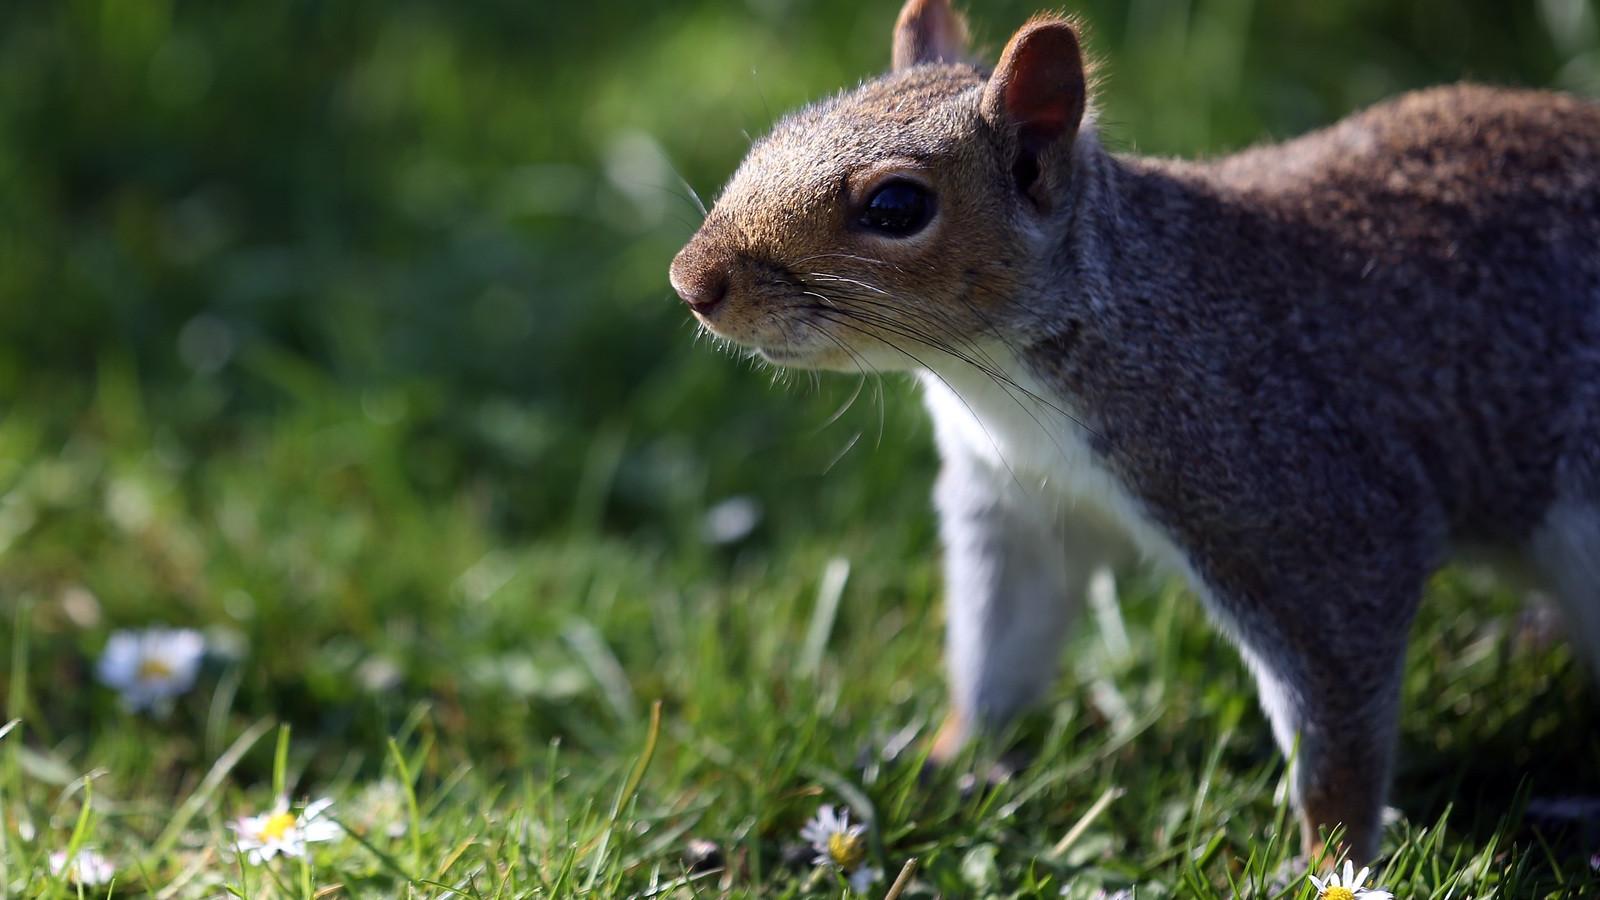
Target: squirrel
x,y
1303,376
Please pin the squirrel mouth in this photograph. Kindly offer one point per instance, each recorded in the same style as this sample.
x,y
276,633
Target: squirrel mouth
x,y
781,354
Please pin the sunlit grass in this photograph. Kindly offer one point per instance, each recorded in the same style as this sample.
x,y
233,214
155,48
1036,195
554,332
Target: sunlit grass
x,y
478,708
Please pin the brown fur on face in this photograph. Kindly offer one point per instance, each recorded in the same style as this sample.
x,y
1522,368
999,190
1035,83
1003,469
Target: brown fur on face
x,y
807,284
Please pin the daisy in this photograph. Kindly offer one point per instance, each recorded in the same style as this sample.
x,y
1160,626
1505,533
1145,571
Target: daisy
x,y
730,521
88,868
278,831
841,845
148,668
1349,888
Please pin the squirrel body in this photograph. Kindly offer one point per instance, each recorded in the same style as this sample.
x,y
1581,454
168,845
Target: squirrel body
x,y
1304,375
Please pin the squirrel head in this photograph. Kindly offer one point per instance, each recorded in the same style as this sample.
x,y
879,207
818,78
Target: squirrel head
x,y
903,217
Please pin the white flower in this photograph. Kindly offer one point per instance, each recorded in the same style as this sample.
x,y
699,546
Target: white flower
x,y
380,808
841,845
151,667
88,868
1349,888
864,878
730,521
836,841
278,831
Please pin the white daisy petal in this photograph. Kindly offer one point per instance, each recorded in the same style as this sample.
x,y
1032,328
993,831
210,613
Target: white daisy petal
x,y
862,879
836,841
281,832
148,668
88,868
1350,880
314,832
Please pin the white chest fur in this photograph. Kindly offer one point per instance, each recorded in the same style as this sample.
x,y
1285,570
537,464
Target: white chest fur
x,y
1027,444
1030,442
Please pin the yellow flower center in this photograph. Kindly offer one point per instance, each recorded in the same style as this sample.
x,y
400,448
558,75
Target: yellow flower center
x,y
153,669
276,826
1339,892
846,850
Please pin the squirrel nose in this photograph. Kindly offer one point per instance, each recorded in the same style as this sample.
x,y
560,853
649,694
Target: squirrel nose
x,y
705,294
701,283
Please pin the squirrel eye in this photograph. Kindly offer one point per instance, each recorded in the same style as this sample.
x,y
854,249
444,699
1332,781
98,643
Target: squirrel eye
x,y
898,209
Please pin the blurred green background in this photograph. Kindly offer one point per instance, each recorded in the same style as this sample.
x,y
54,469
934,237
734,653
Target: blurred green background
x,y
461,214
343,328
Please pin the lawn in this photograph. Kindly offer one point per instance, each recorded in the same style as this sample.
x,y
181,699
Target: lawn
x,y
341,336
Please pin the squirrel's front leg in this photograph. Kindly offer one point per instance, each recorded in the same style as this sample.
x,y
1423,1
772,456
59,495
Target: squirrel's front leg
x,y
1332,693
1014,578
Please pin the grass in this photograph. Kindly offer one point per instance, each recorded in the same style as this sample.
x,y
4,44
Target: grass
x,y
563,715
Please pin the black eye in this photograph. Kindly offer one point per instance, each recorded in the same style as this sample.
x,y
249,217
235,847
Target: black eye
x,y
898,209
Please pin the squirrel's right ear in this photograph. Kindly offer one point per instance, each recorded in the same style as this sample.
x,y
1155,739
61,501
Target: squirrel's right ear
x,y
929,31
1037,95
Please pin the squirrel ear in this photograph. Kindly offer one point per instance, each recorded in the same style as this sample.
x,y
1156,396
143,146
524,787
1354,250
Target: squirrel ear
x,y
1037,93
928,31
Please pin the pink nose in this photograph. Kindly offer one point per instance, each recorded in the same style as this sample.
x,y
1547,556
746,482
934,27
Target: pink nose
x,y
700,279
703,294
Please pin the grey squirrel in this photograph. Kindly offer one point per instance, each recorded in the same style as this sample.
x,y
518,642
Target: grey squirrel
x,y
1303,376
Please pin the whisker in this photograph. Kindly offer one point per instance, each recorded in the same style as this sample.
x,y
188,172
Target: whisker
x,y
869,287
693,194
842,453
1006,383
936,342
861,367
951,327
839,413
913,357
987,365
945,324
850,256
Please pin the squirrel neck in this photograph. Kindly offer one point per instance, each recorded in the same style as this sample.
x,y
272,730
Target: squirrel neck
x,y
1148,299
1131,231
1157,266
